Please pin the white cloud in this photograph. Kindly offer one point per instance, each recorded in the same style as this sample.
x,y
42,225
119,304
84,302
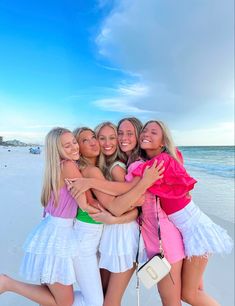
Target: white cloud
x,y
125,99
136,90
119,105
182,51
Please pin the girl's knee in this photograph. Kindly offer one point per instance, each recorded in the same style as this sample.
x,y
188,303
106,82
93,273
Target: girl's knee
x,y
188,296
70,301
170,298
170,301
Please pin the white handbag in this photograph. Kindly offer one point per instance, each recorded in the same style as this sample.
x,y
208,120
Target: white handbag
x,y
154,270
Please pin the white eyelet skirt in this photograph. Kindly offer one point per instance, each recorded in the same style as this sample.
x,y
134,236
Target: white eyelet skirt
x,y
118,247
201,235
50,250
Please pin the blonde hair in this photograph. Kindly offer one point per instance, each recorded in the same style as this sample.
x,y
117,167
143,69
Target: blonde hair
x,y
105,162
169,146
83,162
52,172
137,124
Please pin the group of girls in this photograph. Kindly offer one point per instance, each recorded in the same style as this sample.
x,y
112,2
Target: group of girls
x,y
93,183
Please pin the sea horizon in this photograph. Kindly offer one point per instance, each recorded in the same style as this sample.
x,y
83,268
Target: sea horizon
x,y
179,146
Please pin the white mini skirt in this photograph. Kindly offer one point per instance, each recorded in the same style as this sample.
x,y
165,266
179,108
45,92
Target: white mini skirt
x,y
201,235
119,245
50,250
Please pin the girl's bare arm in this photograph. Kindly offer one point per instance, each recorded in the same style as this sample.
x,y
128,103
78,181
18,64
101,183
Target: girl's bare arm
x,y
123,203
70,170
109,187
104,216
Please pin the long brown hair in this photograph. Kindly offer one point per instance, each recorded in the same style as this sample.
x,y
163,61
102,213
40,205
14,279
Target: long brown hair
x,y
137,124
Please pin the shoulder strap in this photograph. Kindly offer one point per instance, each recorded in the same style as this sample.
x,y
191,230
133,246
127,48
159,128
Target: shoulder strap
x,y
118,163
161,251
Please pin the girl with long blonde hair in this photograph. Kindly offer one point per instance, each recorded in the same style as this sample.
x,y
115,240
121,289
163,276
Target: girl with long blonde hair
x,y
105,162
51,248
201,236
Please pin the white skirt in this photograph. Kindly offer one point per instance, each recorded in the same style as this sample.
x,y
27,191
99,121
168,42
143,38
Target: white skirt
x,y
201,235
119,245
50,250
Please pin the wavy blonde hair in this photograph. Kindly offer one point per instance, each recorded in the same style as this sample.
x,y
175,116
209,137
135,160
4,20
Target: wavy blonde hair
x,y
135,154
83,162
169,146
105,162
54,153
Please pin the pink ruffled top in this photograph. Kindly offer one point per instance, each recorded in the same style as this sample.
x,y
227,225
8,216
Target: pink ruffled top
x,y
129,176
173,189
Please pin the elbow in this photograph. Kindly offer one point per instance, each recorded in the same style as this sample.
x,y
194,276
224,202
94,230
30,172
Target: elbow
x,y
115,209
115,213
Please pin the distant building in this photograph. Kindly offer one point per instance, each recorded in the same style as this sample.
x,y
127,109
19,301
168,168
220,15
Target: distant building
x,y
15,143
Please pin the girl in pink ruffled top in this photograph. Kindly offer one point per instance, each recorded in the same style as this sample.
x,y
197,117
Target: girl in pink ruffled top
x,y
201,235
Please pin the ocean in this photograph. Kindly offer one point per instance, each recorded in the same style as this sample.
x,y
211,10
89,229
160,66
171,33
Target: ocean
x,y
213,168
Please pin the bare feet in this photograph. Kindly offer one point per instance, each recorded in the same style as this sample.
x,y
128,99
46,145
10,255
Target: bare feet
x,y
4,280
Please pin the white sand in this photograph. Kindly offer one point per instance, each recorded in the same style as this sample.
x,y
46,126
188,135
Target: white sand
x,y
20,210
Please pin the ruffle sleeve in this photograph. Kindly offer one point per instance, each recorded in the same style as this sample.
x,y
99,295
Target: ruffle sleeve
x,y
131,168
176,182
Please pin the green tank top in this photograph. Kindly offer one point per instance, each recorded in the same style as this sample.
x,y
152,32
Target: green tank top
x,y
84,217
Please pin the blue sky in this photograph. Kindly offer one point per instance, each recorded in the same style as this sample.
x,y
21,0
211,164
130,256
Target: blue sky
x,y
74,63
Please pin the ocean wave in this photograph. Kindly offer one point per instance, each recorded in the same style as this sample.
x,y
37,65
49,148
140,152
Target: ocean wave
x,y
227,171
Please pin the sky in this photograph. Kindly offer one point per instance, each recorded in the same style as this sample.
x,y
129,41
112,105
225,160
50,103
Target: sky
x,y
78,63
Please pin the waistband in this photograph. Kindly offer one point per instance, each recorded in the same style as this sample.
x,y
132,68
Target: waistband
x,y
65,222
190,209
88,225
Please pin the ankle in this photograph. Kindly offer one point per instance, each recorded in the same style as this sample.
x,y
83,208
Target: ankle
x,y
4,283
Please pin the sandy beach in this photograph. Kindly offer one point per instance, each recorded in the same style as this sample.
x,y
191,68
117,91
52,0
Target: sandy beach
x,y
20,210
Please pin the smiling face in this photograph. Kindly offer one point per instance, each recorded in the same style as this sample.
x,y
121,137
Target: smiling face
x,y
69,146
151,139
108,140
89,146
127,137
